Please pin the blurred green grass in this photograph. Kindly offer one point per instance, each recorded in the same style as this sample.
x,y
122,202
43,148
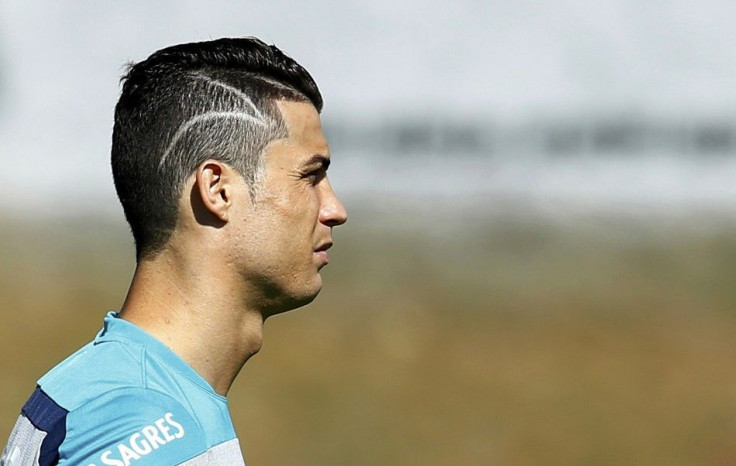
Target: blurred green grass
x,y
500,340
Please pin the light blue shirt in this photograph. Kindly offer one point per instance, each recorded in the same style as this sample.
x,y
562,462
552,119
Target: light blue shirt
x,y
123,399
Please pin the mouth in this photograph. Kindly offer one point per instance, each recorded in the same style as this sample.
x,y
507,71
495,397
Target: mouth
x,y
321,252
323,247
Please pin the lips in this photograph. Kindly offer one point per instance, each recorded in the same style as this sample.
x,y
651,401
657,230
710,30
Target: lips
x,y
323,247
321,253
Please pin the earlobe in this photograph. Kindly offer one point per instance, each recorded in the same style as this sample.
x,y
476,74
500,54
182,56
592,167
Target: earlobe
x,y
213,183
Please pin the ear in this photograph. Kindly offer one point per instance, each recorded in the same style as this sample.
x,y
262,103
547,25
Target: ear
x,y
214,183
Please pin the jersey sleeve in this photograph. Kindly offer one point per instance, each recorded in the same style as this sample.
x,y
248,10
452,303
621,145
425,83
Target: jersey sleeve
x,y
131,426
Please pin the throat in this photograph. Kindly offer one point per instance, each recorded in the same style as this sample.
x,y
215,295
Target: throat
x,y
220,355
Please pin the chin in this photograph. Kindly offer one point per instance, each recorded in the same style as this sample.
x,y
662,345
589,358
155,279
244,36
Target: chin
x,y
296,298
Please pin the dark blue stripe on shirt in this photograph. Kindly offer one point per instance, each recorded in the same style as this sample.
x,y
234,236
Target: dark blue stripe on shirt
x,y
46,415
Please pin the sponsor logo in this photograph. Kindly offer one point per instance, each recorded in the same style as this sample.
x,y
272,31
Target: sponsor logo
x,y
143,442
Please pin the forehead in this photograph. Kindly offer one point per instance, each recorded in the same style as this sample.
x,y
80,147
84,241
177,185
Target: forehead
x,y
304,128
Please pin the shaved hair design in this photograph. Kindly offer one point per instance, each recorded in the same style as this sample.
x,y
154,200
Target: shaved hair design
x,y
189,103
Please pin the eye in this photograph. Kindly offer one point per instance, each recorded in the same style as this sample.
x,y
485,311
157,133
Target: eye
x,y
316,176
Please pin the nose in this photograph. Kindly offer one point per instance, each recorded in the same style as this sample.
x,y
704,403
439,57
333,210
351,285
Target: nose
x,y
331,213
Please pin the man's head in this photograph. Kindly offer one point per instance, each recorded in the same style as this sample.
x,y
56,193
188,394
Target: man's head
x,y
219,161
193,102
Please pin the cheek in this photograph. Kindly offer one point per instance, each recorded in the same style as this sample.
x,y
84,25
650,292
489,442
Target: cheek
x,y
288,219
302,206
289,228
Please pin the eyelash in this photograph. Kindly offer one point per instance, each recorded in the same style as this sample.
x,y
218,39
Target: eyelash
x,y
315,176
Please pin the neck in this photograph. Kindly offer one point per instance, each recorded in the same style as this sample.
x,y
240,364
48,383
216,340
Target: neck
x,y
200,318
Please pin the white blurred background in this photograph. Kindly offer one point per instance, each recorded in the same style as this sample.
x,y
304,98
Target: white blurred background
x,y
556,107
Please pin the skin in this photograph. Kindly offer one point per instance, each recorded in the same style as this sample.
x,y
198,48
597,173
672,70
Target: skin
x,y
234,261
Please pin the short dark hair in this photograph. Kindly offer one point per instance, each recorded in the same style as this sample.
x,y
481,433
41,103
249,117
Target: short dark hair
x,y
188,103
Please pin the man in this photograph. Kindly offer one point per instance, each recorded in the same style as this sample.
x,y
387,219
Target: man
x,y
220,163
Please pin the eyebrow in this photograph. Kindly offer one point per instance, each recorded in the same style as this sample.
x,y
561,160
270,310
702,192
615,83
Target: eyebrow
x,y
320,159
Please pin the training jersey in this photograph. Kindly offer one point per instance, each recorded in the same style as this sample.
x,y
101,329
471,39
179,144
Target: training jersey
x,y
123,399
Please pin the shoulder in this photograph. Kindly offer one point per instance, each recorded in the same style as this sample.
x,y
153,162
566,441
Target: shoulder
x,y
112,403
117,428
131,424
93,370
